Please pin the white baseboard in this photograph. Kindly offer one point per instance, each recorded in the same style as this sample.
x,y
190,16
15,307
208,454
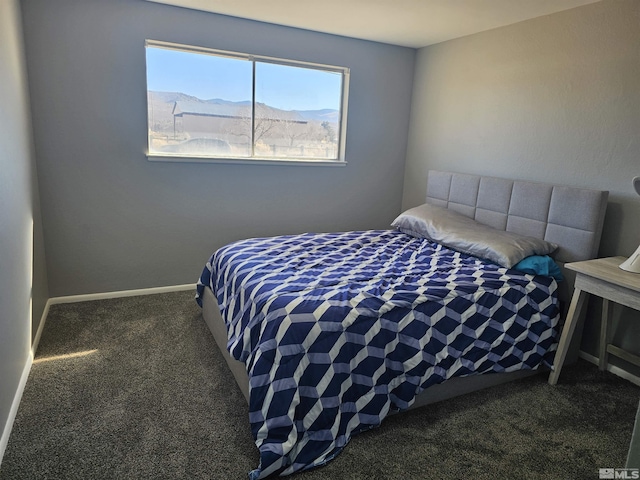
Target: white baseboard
x,y
122,293
6,432
43,319
611,368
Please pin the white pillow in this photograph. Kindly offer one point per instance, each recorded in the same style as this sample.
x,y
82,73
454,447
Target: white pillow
x,y
464,234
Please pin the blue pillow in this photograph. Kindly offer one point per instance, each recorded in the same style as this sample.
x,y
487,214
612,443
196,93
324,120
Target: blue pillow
x,y
540,265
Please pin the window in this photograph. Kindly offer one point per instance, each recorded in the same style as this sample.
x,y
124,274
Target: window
x,y
208,103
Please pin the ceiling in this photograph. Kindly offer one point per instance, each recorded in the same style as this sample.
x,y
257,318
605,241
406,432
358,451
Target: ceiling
x,y
410,23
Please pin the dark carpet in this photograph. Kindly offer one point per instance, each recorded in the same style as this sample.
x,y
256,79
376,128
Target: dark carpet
x,y
154,399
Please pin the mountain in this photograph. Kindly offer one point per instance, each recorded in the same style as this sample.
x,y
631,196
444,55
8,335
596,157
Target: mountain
x,y
164,101
324,115
172,97
220,101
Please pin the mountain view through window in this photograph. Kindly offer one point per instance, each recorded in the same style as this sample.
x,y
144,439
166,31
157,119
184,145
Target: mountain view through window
x,y
206,103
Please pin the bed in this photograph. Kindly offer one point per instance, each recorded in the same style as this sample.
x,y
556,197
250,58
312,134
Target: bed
x,y
327,334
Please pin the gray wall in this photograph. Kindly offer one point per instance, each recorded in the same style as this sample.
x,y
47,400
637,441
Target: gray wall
x,y
115,221
554,99
23,287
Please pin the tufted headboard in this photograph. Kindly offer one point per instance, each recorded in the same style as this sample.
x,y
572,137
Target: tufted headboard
x,y
568,216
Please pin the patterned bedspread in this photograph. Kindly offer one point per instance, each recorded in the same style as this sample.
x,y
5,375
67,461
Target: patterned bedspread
x,y
338,329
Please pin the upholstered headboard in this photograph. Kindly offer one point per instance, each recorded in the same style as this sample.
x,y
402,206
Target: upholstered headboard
x,y
568,216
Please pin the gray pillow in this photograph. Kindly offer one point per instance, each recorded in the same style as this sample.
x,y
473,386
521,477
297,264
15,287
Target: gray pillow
x,y
464,234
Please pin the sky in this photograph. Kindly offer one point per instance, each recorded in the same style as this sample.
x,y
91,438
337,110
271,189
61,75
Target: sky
x,y
210,76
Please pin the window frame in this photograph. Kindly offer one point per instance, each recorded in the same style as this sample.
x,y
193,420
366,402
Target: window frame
x,y
253,159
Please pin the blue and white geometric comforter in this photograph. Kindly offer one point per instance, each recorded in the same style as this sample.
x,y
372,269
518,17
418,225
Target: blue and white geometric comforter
x,y
338,329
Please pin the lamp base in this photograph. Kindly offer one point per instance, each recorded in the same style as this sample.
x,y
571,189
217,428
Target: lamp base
x,y
632,264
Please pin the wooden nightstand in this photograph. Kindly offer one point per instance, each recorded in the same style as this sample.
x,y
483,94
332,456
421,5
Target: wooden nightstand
x,y
601,277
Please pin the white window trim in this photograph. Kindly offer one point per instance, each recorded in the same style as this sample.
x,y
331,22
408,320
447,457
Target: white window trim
x,y
252,160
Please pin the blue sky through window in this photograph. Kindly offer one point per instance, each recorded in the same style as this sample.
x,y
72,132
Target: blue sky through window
x,y
211,76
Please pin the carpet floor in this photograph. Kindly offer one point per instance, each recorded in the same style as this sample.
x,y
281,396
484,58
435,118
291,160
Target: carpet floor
x,y
135,388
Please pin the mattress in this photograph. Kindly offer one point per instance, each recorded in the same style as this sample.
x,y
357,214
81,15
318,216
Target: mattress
x,y
337,330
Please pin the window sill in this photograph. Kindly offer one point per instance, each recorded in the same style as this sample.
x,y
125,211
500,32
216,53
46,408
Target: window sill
x,y
245,161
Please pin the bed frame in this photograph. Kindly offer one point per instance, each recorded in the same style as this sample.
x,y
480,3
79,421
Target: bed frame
x,y
570,217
